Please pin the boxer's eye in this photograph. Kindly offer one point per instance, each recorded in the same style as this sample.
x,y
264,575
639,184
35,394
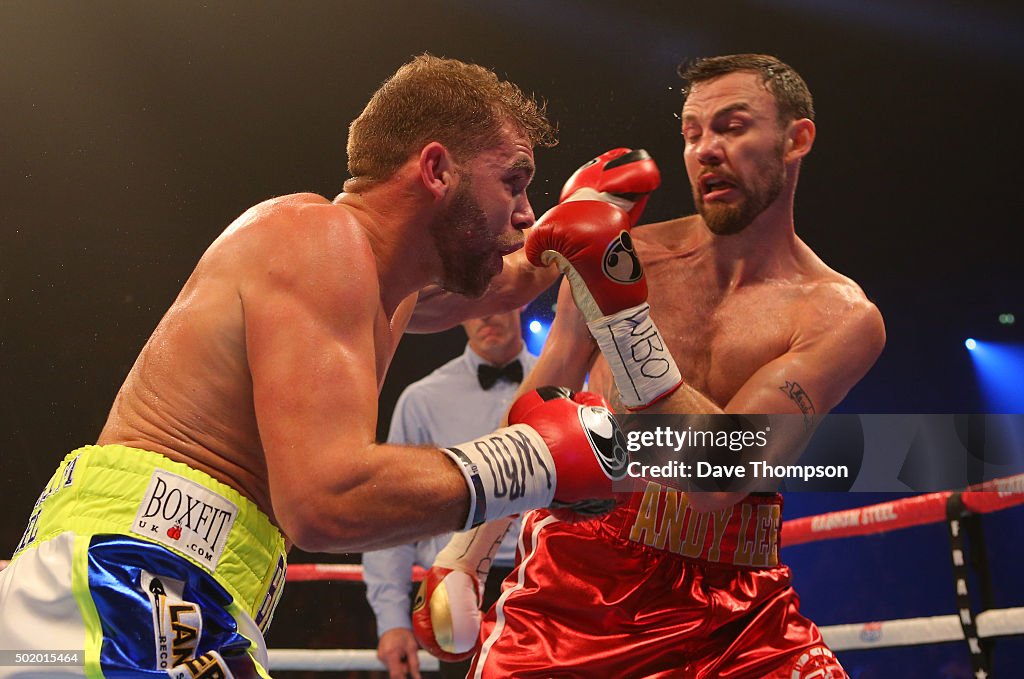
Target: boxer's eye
x,y
733,124
517,184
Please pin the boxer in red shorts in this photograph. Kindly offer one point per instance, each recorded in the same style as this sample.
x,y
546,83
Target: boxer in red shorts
x,y
673,584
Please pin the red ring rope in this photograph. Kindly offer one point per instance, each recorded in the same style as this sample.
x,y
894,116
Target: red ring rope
x,y
988,497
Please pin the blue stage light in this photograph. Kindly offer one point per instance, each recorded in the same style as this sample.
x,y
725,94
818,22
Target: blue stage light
x,y
970,344
1000,370
537,336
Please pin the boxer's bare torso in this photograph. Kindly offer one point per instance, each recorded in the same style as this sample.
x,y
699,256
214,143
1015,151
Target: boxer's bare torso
x,y
280,280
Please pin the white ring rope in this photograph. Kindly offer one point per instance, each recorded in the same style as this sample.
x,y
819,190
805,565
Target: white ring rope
x,y
912,631
334,660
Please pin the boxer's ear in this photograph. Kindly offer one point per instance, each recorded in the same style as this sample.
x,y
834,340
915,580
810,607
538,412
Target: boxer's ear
x,y
799,139
436,169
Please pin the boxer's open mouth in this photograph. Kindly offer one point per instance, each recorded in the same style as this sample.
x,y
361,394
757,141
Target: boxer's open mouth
x,y
715,187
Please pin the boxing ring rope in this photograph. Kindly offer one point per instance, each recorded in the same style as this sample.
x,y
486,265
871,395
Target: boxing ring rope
x,y
337,660
335,572
919,510
874,519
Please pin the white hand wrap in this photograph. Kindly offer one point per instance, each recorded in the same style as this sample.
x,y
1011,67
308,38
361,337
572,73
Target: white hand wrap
x,y
509,471
641,364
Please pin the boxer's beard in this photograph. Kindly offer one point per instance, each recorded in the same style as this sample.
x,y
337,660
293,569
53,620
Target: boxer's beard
x,y
724,220
464,245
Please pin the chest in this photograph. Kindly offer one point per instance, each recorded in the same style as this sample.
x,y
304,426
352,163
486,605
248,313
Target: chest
x,y
719,336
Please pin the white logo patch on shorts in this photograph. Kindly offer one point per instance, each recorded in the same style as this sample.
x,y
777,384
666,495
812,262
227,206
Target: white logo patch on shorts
x,y
185,516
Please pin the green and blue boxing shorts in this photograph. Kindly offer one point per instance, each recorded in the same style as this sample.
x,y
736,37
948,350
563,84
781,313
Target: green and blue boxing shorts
x,y
136,566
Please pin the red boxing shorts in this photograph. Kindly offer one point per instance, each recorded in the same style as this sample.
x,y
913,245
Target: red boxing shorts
x,y
653,589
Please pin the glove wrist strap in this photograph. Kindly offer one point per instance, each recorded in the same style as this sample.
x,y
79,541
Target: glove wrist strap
x,y
641,364
508,471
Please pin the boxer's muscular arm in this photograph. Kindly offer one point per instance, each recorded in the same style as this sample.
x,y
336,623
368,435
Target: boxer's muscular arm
x,y
518,284
818,372
831,354
309,333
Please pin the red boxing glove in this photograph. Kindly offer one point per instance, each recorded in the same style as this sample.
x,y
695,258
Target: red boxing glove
x,y
589,241
587,233
623,177
555,452
587,236
586,444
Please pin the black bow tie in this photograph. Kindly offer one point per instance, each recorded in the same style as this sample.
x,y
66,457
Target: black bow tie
x,y
489,375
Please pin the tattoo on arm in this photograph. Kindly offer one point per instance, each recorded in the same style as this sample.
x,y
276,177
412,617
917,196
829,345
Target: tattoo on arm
x,y
797,394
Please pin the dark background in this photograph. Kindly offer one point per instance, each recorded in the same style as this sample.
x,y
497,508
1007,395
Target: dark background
x,y
132,133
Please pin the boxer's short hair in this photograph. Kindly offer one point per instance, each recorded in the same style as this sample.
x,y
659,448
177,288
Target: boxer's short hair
x,y
792,97
463,106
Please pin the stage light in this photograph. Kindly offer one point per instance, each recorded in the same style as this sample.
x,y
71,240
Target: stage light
x,y
970,344
1000,370
537,337
1007,319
